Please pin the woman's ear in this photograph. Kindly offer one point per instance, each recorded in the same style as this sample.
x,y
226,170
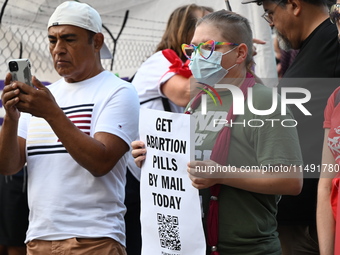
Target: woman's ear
x,y
242,53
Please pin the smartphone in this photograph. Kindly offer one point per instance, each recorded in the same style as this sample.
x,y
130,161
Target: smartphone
x,y
21,70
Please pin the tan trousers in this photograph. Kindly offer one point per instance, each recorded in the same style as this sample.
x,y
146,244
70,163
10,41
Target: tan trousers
x,y
76,246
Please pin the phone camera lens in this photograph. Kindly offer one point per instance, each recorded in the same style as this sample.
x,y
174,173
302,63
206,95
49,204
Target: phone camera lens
x,y
13,66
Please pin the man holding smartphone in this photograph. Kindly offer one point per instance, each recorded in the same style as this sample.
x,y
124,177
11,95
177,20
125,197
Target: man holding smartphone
x,y
73,135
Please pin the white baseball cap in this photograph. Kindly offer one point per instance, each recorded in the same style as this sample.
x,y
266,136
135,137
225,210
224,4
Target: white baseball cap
x,y
79,15
248,1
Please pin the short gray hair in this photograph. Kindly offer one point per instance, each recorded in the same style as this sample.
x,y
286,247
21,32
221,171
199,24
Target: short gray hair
x,y
234,28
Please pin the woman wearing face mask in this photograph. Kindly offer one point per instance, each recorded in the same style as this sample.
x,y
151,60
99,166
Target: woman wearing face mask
x,y
253,160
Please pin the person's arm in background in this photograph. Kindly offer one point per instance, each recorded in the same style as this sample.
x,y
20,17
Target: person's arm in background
x,y
287,182
181,86
177,89
324,215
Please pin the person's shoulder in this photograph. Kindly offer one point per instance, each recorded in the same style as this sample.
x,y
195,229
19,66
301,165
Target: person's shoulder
x,y
324,27
154,58
334,98
151,70
322,37
336,91
111,82
107,75
55,84
152,63
332,107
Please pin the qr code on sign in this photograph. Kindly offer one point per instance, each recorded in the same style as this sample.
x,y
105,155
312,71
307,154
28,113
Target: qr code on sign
x,y
168,231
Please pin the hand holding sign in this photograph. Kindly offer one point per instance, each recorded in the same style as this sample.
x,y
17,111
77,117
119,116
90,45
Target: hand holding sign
x,y
138,152
170,206
201,175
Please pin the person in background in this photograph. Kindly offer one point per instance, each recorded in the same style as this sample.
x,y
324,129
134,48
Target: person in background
x,y
304,25
166,74
13,213
162,83
74,136
283,58
245,203
265,67
328,213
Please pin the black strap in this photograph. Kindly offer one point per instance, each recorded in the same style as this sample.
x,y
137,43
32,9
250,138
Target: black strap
x,y
166,104
165,101
130,80
143,102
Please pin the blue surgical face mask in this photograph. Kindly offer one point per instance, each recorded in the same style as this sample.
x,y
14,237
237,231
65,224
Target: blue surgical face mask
x,y
209,71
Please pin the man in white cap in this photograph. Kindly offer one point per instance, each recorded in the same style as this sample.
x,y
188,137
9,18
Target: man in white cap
x,y
73,135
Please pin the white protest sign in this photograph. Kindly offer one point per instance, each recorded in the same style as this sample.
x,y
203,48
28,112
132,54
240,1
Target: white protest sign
x,y
170,206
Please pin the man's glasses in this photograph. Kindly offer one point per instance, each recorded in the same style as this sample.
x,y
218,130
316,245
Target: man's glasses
x,y
334,13
268,16
204,49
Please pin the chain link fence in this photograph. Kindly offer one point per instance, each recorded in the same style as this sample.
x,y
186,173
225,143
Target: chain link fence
x,y
19,42
131,40
16,42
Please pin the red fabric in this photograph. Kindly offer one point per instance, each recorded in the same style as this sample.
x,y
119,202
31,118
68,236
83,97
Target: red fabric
x,y
332,121
331,111
335,201
220,155
177,66
337,226
212,220
335,195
